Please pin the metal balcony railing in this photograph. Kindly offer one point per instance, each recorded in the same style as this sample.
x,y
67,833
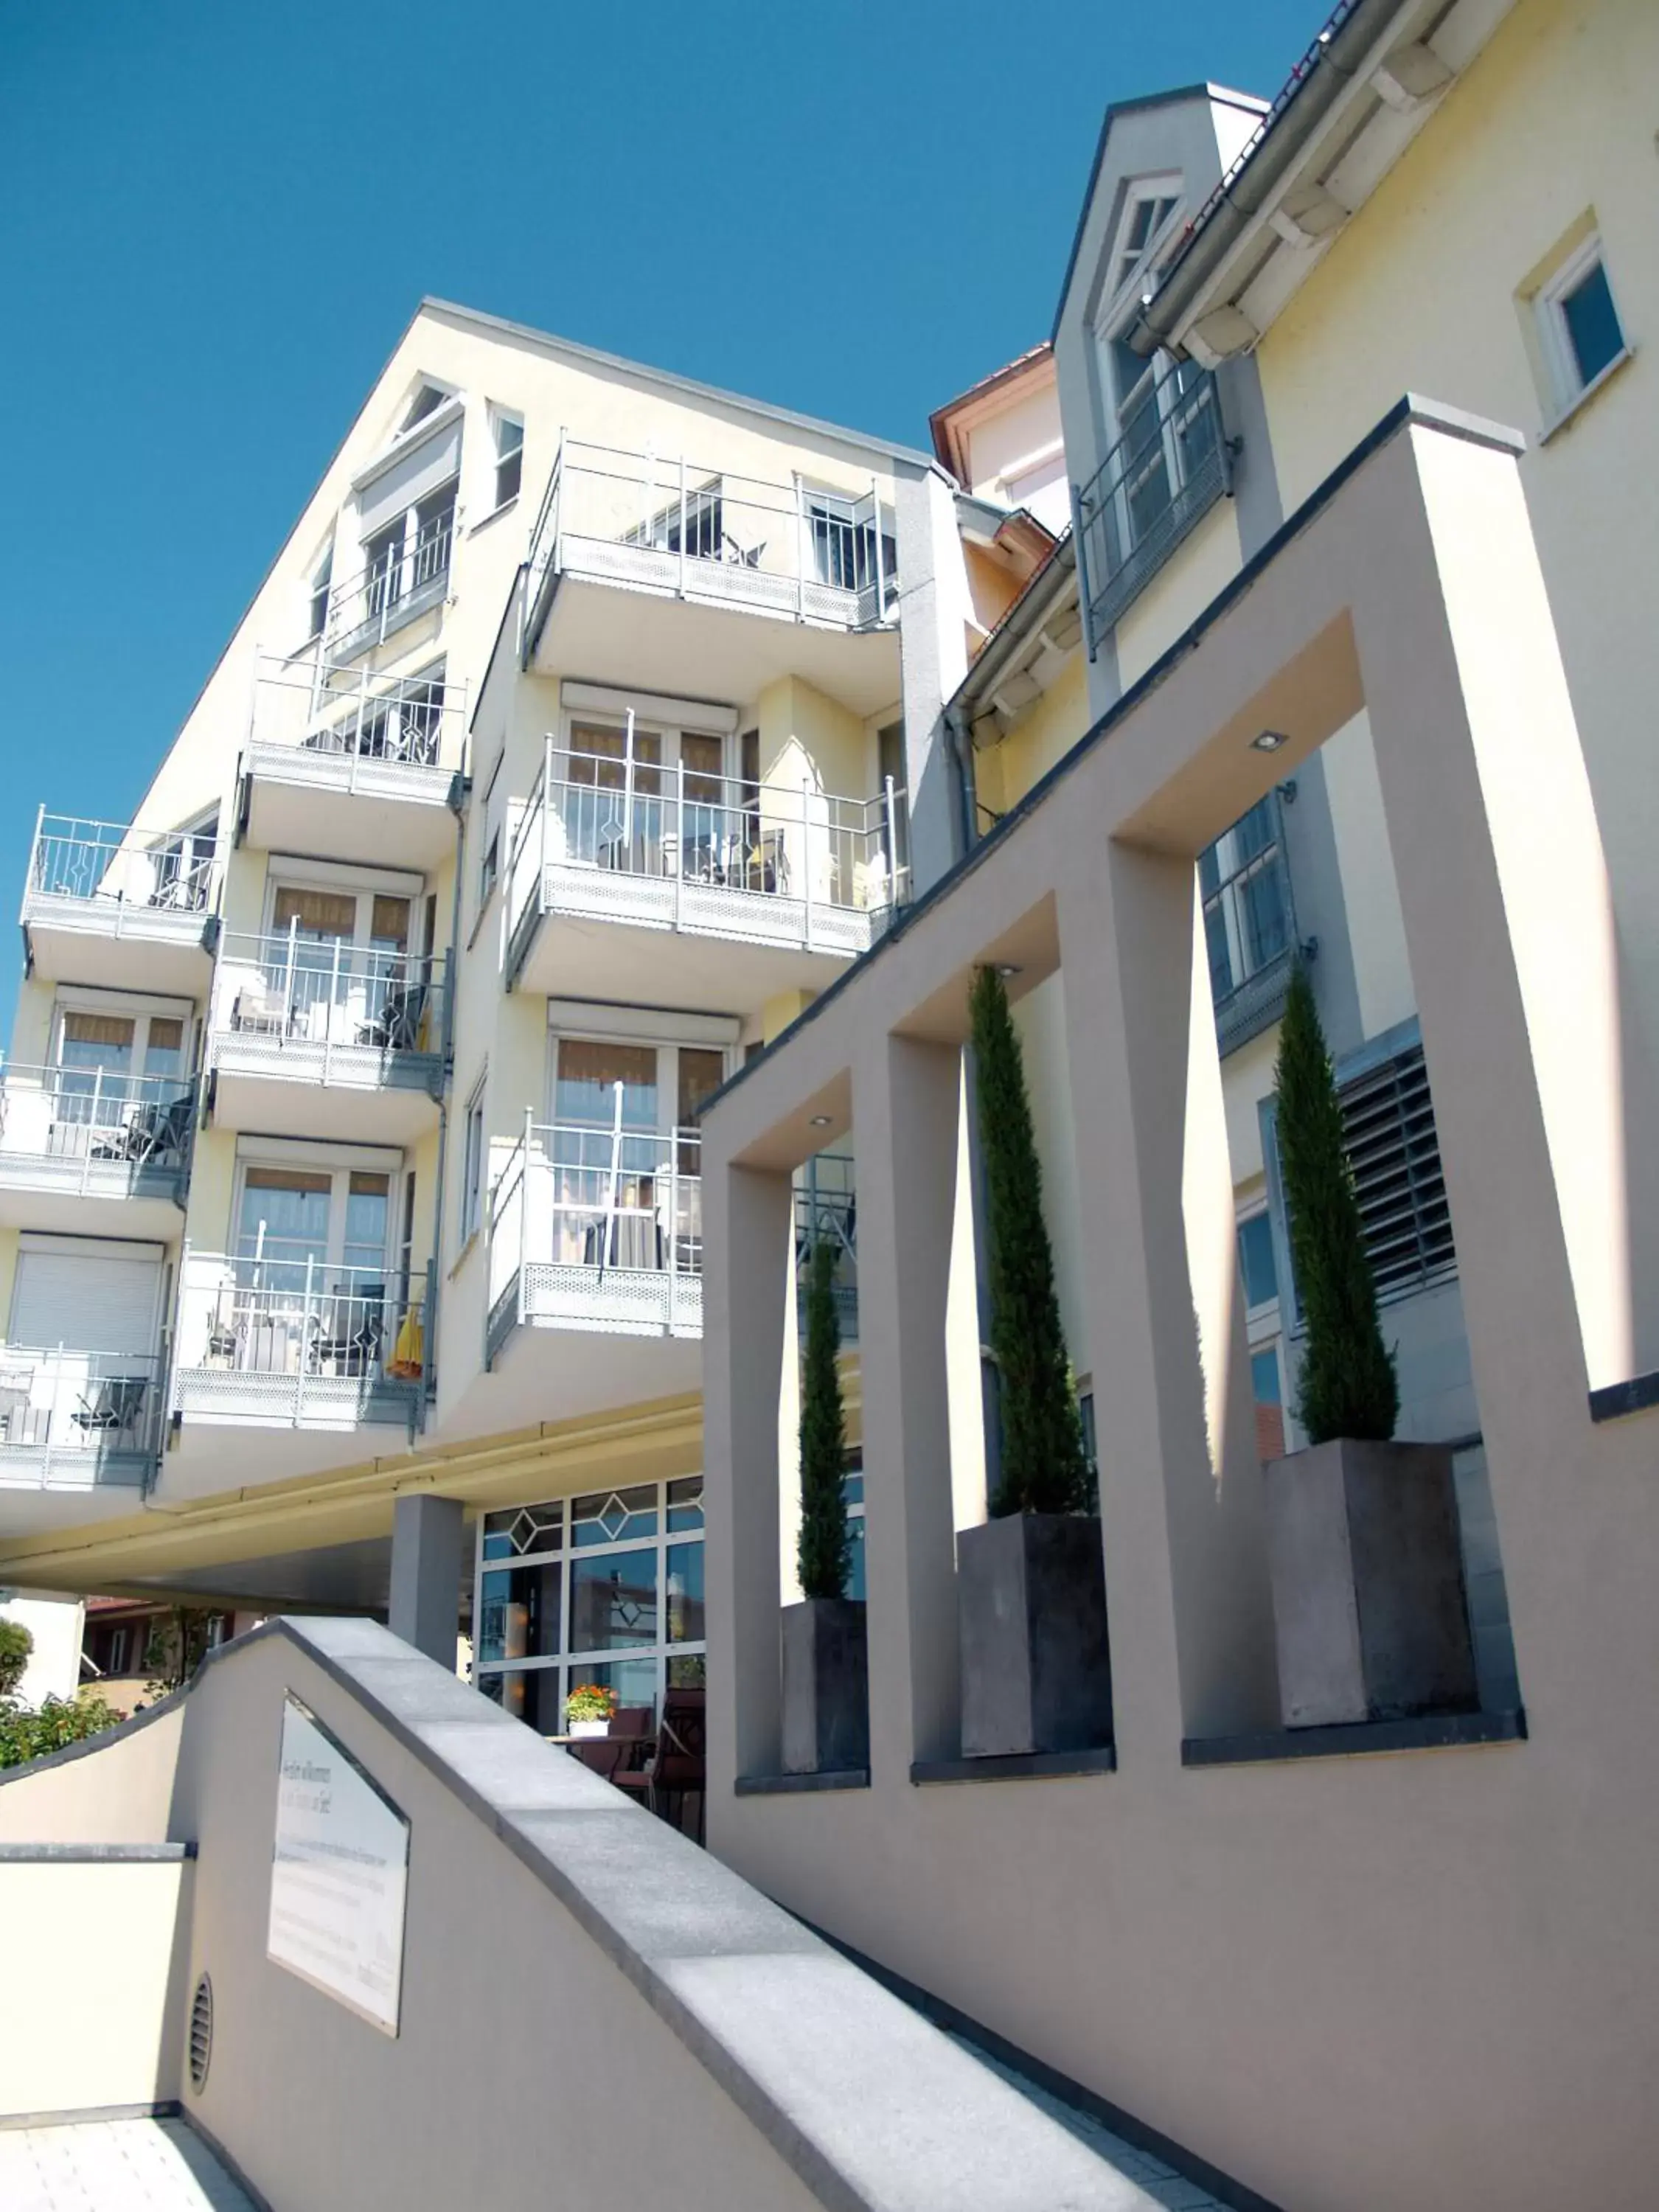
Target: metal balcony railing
x,y
85,1128
327,1335
116,866
321,721
399,581
809,852
1169,467
597,1227
1250,922
667,524
289,989
69,1417
826,1212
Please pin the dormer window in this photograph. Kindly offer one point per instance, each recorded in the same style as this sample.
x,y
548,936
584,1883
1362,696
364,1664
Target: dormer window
x,y
1144,221
427,401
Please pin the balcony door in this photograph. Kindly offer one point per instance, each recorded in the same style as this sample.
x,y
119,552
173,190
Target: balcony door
x,y
625,1157
115,1077
335,956
623,806
314,1290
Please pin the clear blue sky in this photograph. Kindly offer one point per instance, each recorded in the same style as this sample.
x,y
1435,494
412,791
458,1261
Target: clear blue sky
x,y
220,214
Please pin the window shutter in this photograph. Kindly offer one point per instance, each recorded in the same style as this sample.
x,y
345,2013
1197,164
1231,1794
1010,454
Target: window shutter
x,y
411,479
88,1304
1387,1118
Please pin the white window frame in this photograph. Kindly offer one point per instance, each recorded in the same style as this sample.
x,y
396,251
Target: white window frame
x,y
1568,383
566,1661
319,591
667,1049
474,1149
140,1011
352,885
503,422
333,1161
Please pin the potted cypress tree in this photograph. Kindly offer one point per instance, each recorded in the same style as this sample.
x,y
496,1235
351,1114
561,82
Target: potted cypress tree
x,y
1369,1611
1030,1583
826,1706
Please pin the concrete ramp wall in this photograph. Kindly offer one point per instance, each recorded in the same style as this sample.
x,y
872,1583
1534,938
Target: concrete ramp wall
x,y
594,2011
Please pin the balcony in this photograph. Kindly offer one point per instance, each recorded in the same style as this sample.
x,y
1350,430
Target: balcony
x,y
599,1230
620,872
406,576
1249,923
347,765
826,1212
73,1420
319,1037
83,1151
116,905
293,1344
697,580
1166,471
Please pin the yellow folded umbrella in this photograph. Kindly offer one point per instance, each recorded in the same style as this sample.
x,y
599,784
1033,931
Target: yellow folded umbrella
x,y
407,1360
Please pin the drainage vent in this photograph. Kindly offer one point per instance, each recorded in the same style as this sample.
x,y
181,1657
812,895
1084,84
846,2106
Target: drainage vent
x,y
201,2033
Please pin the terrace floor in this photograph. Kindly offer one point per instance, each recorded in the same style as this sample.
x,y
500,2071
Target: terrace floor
x,y
114,2166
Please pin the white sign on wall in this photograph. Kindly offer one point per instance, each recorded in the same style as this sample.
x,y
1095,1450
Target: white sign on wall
x,y
339,1873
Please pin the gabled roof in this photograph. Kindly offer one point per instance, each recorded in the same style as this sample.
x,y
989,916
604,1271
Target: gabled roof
x,y
1215,93
942,420
592,356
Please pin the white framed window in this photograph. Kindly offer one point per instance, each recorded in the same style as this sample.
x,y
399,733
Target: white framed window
x,y
606,1588
317,1223
1579,330
322,579
508,431
489,861
473,1160
427,400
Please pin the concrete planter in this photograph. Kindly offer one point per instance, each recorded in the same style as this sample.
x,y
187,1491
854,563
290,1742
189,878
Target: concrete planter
x,y
1036,1670
1369,1611
826,1688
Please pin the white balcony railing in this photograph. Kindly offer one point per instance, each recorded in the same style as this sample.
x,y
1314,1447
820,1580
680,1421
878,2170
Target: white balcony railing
x,y
598,1228
72,1419
125,877
322,1010
87,1130
297,1342
345,728
681,529
672,847
399,581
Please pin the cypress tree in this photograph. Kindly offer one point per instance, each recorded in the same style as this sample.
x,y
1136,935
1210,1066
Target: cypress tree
x,y
1043,1469
1348,1387
824,1549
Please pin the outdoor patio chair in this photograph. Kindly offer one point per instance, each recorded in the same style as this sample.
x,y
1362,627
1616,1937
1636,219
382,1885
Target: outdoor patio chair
x,y
678,1766
115,1408
626,1748
397,1027
350,1350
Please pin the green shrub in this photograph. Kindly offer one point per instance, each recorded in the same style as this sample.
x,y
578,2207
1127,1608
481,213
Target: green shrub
x,y
1043,1466
1347,1386
15,1645
824,1550
24,1736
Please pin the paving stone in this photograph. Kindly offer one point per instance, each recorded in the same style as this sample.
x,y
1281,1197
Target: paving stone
x,y
114,2165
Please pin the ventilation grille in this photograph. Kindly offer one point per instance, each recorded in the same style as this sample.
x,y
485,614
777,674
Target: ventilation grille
x,y
201,2033
1387,1120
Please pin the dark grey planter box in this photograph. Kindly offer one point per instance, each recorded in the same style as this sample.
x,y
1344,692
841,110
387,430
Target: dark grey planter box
x,y
826,1686
1370,1616
1036,1669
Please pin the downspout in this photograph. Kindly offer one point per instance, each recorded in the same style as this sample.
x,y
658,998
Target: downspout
x,y
960,747
457,801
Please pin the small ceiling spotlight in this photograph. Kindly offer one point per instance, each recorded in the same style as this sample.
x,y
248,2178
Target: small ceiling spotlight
x,y
819,1122
1269,741
1006,967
